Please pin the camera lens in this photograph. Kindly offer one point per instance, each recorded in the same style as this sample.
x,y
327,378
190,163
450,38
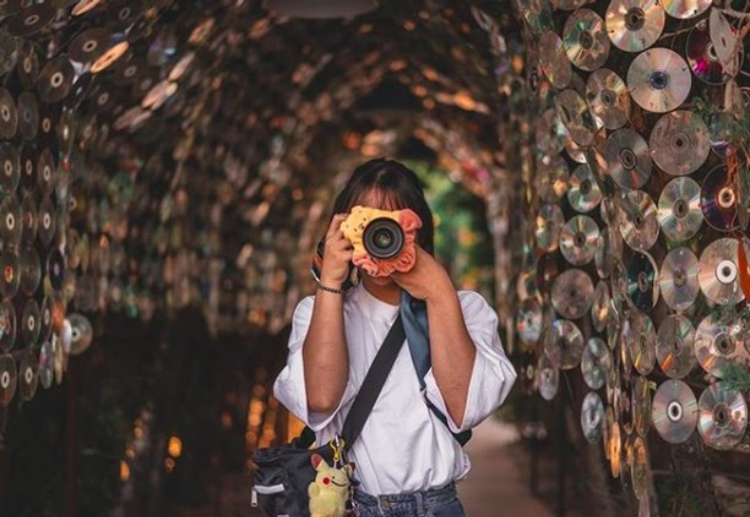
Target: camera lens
x,y
383,238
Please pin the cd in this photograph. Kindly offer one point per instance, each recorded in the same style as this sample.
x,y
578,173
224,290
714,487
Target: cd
x,y
596,363
641,405
89,45
118,46
628,159
55,80
679,211
578,240
586,42
30,322
46,364
31,20
564,345
719,200
592,417
641,281
608,98
8,48
551,178
550,133
28,168
705,62
678,279
608,246
619,281
723,36
719,343
528,321
28,218
547,378
553,60
28,371
583,192
674,411
719,273
56,268
685,9
639,225
679,143
640,469
8,115
47,221
659,80
572,293
10,168
722,416
8,379
45,171
548,225
639,337
28,116
82,333
615,449
601,310
28,65
634,25
575,116
11,277
7,325
30,269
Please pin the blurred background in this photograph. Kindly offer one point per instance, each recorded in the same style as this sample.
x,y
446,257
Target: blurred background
x,y
168,166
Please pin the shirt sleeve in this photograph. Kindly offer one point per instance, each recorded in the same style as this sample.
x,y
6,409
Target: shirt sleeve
x,y
493,375
289,387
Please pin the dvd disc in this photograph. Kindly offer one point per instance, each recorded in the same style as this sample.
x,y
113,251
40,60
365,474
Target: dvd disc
x,y
578,240
601,309
608,98
586,43
30,269
674,411
547,378
640,469
11,276
28,116
46,365
679,211
705,62
634,25
553,60
28,168
583,192
674,346
615,450
56,269
596,363
46,168
618,280
678,279
575,115
628,158
548,225
30,322
679,143
639,225
28,65
639,337
7,326
29,218
10,168
89,45
572,293
719,343
592,417
723,36
722,416
31,20
641,402
8,379
28,372
642,288
719,273
685,9
719,200
8,115
55,80
118,46
551,178
564,346
47,221
659,80
528,321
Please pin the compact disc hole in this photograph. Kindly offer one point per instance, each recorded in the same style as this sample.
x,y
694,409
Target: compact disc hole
x,y
56,80
6,113
586,40
10,221
638,221
680,208
726,197
628,159
585,187
676,346
643,282
31,20
608,98
659,80
5,380
634,19
28,375
721,414
726,272
27,65
8,168
579,239
9,274
680,277
90,46
674,411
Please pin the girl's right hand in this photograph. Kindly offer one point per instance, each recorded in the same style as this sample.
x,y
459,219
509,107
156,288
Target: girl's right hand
x,y
337,255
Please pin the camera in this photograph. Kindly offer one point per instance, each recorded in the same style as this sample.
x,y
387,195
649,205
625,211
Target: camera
x,y
383,238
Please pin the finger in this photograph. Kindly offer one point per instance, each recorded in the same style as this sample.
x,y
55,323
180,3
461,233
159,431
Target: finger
x,y
336,221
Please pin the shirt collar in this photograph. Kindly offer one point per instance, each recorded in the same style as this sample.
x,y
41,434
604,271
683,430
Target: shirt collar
x,y
372,306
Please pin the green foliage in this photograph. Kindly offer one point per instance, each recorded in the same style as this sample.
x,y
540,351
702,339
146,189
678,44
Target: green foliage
x,y
731,128
736,377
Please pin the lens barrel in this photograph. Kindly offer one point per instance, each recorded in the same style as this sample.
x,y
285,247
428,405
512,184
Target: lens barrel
x,y
383,238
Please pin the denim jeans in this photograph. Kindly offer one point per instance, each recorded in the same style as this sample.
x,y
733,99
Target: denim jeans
x,y
441,502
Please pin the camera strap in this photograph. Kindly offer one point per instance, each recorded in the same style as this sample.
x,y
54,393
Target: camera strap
x,y
414,316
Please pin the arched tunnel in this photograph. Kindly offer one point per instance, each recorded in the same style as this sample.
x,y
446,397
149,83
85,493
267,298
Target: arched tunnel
x,y
169,167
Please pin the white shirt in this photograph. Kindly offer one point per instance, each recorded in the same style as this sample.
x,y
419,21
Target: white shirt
x,y
403,446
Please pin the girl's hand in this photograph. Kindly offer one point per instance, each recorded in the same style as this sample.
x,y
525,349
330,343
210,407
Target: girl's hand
x,y
336,255
426,279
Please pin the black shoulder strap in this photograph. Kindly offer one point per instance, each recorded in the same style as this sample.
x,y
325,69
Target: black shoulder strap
x,y
370,389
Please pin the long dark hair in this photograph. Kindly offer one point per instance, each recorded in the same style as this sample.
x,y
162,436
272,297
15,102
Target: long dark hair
x,y
396,183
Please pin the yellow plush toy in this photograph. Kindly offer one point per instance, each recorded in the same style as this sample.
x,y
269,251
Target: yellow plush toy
x,y
329,491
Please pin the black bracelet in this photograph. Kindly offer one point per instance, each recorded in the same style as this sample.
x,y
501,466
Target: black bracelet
x,y
330,289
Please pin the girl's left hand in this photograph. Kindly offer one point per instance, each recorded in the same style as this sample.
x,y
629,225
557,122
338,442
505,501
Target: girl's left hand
x,y
427,278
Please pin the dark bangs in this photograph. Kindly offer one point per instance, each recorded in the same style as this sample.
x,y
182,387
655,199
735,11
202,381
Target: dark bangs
x,y
399,187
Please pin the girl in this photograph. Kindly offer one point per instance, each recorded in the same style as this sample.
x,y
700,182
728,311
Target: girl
x,y
406,458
